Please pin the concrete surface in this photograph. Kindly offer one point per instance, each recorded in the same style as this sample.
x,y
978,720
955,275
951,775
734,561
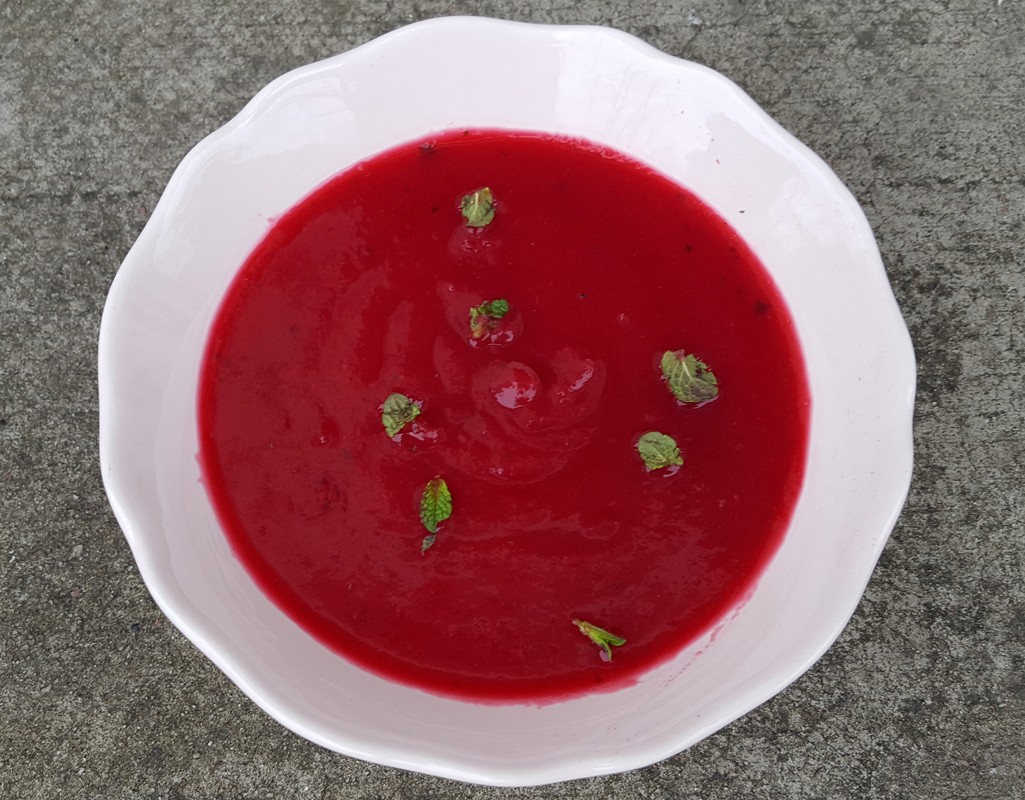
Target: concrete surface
x,y
919,108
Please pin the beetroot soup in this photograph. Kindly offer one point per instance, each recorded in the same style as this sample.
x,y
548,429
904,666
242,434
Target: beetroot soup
x,y
503,416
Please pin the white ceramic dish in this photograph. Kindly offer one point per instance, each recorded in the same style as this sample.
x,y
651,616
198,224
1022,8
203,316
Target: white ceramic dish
x,y
685,120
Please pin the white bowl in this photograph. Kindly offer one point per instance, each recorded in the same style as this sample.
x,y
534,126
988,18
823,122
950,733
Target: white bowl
x,y
686,121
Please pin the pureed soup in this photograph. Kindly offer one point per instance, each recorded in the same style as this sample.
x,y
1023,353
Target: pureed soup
x,y
503,416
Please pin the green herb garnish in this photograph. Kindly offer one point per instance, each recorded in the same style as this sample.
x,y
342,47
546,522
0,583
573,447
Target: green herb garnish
x,y
428,542
484,316
601,637
435,507
658,451
690,380
397,411
478,207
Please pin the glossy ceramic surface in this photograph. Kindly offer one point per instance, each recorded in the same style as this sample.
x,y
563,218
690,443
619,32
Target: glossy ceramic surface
x,y
683,119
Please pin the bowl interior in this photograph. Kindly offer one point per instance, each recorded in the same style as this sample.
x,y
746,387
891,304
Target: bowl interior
x,y
686,121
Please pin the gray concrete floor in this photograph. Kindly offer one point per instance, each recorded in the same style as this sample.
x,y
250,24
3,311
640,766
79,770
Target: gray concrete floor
x,y
918,106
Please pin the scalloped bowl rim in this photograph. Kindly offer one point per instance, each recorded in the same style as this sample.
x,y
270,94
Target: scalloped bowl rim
x,y
795,208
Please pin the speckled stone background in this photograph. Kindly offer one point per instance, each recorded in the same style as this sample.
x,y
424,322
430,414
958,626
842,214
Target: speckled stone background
x,y
918,106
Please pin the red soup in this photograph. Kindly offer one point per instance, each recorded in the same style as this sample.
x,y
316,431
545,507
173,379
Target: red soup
x,y
514,523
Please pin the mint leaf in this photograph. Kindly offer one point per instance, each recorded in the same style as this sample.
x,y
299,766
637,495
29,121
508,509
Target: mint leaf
x,y
690,380
435,506
658,451
478,207
600,637
484,316
397,411
496,309
428,542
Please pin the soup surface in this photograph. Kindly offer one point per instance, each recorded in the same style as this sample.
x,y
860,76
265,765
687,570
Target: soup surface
x,y
526,416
